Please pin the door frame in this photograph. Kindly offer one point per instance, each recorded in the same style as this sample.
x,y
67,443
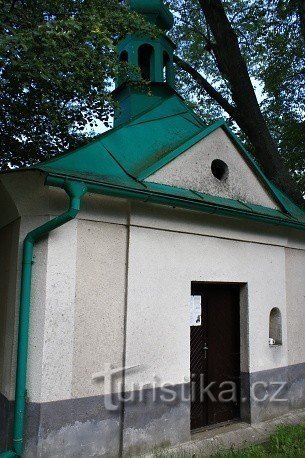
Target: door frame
x,y
245,406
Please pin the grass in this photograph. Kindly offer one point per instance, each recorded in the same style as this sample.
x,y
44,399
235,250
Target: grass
x,y
287,441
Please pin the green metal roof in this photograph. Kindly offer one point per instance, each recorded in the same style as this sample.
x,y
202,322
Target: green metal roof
x,y
121,159
129,150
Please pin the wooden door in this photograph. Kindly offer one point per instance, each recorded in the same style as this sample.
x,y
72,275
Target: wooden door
x,y
215,356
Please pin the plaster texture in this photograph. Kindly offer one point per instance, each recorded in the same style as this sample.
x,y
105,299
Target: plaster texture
x,y
156,417
192,170
84,427
75,427
8,209
38,307
162,266
59,314
295,287
190,222
99,305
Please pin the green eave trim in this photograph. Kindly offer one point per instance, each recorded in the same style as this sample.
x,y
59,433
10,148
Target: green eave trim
x,y
183,198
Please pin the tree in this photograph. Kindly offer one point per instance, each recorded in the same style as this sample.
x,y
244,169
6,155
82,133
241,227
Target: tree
x,y
59,58
57,62
232,42
284,108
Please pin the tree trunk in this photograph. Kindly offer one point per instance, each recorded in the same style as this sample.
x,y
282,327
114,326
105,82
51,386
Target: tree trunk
x,y
248,115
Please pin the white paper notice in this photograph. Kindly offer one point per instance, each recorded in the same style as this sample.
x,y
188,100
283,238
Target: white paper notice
x,y
195,311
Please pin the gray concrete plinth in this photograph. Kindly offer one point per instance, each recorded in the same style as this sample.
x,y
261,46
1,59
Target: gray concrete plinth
x,y
234,436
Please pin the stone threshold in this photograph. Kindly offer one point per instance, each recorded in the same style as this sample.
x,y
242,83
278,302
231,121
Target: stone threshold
x,y
235,436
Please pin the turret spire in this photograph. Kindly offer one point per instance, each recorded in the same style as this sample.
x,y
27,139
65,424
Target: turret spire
x,y
154,57
155,12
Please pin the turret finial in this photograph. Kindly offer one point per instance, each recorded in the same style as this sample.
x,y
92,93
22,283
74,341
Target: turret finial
x,y
155,12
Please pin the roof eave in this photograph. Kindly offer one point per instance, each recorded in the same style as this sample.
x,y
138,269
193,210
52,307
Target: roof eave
x,y
164,198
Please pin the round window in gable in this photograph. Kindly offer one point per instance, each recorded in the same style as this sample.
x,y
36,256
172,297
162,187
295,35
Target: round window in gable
x,y
220,170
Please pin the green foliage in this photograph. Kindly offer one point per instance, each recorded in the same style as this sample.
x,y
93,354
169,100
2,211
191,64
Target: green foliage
x,y
58,59
254,451
277,56
272,40
287,441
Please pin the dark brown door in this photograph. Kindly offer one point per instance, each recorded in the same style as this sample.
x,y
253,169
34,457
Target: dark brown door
x,y
215,356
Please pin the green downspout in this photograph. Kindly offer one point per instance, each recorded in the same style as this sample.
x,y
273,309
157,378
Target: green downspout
x,y
76,191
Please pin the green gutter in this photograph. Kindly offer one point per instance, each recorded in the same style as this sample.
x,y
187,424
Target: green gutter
x,y
76,191
163,198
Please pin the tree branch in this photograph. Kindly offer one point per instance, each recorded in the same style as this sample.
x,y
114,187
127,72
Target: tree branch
x,y
230,109
203,35
250,119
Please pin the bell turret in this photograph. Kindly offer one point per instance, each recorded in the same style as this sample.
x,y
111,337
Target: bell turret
x,y
154,58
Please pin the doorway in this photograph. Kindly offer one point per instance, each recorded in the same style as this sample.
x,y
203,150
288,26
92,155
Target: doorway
x,y
215,353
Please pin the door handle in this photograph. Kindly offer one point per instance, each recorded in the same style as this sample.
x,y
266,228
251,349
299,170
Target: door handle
x,y
205,349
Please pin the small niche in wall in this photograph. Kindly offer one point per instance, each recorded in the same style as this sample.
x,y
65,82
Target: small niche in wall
x,y
275,327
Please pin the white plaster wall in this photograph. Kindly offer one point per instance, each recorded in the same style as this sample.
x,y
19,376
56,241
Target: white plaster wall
x,y
162,266
59,313
163,262
48,372
79,321
100,304
26,198
25,194
51,315
295,286
36,315
192,170
79,286
94,207
70,270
